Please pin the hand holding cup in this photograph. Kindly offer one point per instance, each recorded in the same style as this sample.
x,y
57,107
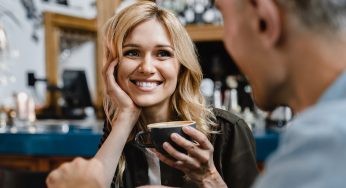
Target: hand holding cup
x,y
160,133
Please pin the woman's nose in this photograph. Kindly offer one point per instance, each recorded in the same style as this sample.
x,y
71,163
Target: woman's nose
x,y
146,66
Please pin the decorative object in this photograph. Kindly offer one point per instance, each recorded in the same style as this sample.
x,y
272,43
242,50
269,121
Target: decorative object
x,y
7,54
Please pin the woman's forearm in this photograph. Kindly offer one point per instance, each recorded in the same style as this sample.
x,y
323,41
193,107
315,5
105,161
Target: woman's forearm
x,y
111,149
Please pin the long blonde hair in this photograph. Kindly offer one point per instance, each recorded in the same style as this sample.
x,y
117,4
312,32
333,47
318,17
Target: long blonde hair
x,y
187,101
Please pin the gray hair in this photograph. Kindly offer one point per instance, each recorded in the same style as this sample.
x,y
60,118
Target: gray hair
x,y
327,15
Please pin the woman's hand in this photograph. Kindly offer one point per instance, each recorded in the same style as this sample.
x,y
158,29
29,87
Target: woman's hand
x,y
117,95
198,163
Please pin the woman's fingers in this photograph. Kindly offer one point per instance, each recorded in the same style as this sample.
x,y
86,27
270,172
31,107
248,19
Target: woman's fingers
x,y
111,84
199,137
186,159
199,158
170,162
117,95
194,150
191,148
106,68
165,159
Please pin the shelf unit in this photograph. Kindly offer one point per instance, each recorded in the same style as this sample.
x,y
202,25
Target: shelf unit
x,y
205,33
55,24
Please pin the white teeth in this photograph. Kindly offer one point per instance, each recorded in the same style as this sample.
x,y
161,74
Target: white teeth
x,y
146,84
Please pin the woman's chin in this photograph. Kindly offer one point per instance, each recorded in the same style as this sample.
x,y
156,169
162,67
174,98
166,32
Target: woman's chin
x,y
147,103
144,104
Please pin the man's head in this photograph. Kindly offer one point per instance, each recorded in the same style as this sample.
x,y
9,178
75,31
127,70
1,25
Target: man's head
x,y
318,15
273,40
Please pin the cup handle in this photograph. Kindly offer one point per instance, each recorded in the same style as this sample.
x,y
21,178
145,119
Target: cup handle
x,y
137,140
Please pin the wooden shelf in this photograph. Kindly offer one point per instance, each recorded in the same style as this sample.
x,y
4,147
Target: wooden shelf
x,y
203,33
32,163
198,33
71,22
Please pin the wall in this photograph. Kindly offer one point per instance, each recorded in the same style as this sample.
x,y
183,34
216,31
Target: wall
x,y
32,53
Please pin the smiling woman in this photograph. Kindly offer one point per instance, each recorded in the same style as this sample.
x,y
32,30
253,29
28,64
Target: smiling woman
x,y
152,74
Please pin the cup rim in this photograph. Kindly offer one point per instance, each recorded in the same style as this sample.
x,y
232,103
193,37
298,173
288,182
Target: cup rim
x,y
182,123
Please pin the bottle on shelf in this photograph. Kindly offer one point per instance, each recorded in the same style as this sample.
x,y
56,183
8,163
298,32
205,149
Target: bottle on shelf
x,y
217,94
193,11
231,95
207,89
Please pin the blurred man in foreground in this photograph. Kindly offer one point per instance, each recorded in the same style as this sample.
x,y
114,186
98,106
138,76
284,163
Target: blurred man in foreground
x,y
293,53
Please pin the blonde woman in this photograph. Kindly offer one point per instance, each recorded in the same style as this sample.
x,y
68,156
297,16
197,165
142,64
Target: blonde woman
x,y
152,74
157,79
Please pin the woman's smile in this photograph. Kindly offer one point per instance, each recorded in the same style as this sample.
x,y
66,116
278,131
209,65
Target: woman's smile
x,y
146,85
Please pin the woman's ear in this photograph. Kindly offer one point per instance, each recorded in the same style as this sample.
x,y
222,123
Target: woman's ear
x,y
269,23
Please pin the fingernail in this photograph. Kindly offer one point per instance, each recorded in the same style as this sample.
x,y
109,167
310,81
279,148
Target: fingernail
x,y
157,154
174,135
187,128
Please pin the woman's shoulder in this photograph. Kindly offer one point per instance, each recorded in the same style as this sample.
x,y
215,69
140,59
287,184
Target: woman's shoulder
x,y
228,121
223,115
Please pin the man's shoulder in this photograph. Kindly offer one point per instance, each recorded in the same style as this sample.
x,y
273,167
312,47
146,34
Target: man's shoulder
x,y
327,115
318,133
321,124
311,152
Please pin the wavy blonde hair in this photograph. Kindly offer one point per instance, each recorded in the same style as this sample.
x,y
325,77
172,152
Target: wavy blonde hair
x,y
187,101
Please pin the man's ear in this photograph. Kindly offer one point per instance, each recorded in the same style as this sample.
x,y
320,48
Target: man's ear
x,y
269,20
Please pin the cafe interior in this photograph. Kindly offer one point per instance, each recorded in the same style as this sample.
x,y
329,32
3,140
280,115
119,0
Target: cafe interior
x,y
51,104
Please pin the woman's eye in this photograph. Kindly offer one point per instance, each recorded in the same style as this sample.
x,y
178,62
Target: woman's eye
x,y
131,53
164,53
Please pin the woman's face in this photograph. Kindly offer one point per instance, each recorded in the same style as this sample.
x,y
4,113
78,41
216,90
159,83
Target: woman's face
x,y
148,71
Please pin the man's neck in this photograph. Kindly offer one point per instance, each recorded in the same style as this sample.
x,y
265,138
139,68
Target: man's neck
x,y
316,63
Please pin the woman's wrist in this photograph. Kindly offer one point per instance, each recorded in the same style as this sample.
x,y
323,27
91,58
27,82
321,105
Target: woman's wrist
x,y
213,179
126,117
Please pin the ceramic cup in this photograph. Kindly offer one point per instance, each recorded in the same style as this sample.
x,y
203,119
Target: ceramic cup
x,y
161,132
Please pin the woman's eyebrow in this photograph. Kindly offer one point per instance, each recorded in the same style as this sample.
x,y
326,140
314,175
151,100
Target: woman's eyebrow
x,y
164,46
157,46
131,45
